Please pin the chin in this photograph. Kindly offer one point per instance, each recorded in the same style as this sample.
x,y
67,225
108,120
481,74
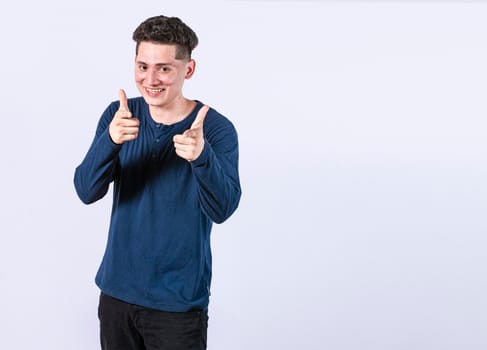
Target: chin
x,y
153,101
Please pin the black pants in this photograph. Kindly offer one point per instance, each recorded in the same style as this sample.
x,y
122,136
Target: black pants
x,y
131,327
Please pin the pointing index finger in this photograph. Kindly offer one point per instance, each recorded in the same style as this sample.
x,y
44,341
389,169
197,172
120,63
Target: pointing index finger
x,y
200,117
124,105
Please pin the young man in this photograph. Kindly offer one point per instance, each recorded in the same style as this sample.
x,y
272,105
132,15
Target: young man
x,y
174,164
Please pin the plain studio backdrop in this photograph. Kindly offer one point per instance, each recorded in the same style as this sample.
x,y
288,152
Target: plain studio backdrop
x,y
363,164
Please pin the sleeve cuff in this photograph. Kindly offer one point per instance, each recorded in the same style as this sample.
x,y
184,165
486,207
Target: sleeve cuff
x,y
107,140
203,158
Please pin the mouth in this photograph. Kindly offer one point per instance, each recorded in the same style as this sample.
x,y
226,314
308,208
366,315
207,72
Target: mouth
x,y
154,92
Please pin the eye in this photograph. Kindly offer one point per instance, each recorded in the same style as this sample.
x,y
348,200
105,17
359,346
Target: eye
x,y
165,69
142,67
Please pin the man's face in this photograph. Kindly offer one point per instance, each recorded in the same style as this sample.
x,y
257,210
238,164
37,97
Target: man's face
x,y
159,75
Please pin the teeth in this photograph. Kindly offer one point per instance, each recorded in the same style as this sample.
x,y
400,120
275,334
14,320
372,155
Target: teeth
x,y
154,91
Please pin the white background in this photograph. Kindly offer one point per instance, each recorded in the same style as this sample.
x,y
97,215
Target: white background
x,y
363,165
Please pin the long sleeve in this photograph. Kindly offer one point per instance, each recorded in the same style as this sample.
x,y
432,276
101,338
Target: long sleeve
x,y
158,252
93,176
216,172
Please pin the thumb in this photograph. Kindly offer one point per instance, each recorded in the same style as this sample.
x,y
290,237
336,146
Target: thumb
x,y
200,117
124,105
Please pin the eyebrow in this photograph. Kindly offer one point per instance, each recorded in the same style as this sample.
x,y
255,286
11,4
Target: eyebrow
x,y
157,64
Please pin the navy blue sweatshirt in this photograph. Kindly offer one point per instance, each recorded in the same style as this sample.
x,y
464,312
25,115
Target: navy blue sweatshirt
x,y
158,251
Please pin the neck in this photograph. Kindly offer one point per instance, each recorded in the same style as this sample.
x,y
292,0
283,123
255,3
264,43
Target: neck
x,y
172,113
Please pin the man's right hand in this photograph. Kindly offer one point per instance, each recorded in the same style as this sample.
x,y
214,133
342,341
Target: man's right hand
x,y
123,126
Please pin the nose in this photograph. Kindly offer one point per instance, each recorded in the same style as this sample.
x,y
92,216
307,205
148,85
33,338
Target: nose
x,y
152,77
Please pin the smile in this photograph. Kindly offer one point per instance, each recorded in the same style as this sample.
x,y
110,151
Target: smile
x,y
154,91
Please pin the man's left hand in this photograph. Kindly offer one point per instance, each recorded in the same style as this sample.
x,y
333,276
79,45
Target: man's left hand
x,y
190,144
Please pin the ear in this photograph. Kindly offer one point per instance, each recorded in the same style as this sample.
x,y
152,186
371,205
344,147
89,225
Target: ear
x,y
190,68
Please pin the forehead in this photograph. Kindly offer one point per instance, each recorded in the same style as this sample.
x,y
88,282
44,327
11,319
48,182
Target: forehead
x,y
154,53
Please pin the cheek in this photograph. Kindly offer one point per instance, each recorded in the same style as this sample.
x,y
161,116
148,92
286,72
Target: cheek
x,y
139,76
168,79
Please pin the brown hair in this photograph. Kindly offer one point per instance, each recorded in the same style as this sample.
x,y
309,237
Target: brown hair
x,y
167,30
